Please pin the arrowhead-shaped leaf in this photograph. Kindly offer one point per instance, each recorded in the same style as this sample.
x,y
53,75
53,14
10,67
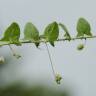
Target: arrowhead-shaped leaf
x,y
51,32
12,34
66,35
31,33
83,28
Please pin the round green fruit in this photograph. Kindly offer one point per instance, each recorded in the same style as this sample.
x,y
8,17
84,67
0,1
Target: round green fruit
x,y
80,47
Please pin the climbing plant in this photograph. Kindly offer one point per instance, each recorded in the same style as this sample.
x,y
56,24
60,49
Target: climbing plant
x,y
50,35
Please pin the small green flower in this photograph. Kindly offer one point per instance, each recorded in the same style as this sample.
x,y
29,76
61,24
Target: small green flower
x,y
2,60
80,47
58,78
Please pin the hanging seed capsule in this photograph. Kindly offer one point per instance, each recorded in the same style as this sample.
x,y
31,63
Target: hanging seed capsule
x,y
2,60
58,78
80,47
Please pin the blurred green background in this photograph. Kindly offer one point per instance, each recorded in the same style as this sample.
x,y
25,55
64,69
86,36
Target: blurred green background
x,y
39,90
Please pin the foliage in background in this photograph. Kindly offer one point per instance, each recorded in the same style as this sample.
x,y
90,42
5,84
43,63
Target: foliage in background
x,y
21,90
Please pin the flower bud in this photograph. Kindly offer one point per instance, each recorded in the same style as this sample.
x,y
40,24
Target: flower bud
x,y
80,46
58,78
2,60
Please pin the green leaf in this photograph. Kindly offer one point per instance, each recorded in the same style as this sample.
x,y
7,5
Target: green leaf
x,y
31,33
51,32
83,28
12,34
66,35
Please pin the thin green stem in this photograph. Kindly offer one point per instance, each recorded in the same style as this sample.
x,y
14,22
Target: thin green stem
x,y
13,52
3,43
53,70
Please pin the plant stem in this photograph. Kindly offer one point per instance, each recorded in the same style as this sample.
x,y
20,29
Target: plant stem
x,y
53,70
12,50
2,43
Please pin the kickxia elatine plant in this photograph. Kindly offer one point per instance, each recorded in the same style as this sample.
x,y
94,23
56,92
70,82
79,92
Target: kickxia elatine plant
x,y
50,35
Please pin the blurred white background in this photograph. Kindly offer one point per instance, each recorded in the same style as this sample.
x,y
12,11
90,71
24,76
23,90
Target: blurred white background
x,y
77,68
